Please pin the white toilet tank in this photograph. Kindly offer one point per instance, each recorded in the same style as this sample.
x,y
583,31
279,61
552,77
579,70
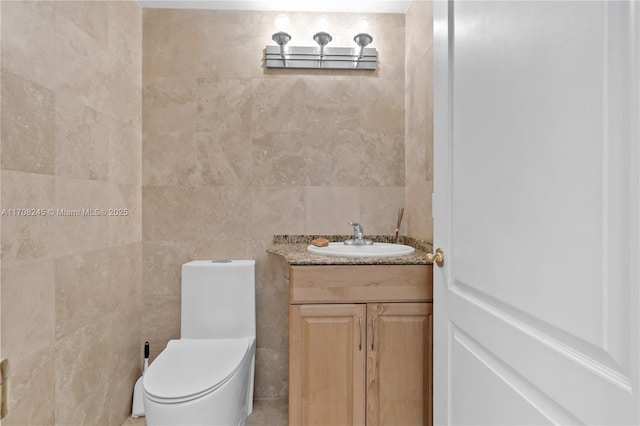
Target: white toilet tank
x,y
218,299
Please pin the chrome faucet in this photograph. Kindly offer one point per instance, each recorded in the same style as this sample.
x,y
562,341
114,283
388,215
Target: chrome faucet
x,y
358,236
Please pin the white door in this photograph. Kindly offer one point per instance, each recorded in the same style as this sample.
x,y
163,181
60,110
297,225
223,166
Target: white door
x,y
536,207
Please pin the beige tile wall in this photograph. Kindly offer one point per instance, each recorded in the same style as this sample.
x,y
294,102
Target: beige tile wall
x,y
71,139
234,153
419,119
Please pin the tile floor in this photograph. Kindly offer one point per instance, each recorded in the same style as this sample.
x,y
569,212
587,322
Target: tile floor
x,y
266,412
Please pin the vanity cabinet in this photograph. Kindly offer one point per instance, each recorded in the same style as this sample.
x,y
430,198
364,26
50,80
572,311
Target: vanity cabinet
x,y
360,345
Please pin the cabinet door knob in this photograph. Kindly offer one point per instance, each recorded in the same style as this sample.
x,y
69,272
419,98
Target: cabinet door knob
x,y
360,323
437,257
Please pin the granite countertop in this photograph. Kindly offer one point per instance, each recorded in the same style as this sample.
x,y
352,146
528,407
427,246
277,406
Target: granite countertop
x,y
293,248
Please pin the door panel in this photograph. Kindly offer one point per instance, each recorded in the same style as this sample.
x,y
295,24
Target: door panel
x,y
560,125
502,405
327,364
536,207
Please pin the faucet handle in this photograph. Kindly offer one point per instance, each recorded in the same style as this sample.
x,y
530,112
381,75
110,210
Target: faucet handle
x,y
358,236
358,232
357,228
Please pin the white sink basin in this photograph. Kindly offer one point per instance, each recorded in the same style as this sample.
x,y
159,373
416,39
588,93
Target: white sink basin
x,y
376,250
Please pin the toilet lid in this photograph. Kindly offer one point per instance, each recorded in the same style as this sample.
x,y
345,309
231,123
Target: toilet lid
x,y
189,367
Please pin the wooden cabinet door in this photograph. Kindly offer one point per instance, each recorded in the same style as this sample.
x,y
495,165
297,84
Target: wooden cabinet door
x,y
327,365
399,348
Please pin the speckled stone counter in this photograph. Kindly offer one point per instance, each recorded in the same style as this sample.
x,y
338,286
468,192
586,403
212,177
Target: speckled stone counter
x,y
293,248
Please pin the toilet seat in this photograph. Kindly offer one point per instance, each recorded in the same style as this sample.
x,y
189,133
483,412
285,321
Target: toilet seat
x,y
191,368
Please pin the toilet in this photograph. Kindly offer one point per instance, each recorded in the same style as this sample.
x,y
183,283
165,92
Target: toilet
x,y
206,376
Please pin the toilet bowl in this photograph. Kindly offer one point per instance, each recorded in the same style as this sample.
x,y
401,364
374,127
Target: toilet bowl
x,y
206,376
200,382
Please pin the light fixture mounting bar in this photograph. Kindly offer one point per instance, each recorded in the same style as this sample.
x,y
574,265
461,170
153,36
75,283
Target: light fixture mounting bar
x,y
332,58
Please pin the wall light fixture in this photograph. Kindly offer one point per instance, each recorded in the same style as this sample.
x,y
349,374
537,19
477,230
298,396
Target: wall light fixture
x,y
281,38
322,39
362,40
321,57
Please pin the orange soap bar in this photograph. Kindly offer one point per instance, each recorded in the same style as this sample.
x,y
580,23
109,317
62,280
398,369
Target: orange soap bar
x,y
320,242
